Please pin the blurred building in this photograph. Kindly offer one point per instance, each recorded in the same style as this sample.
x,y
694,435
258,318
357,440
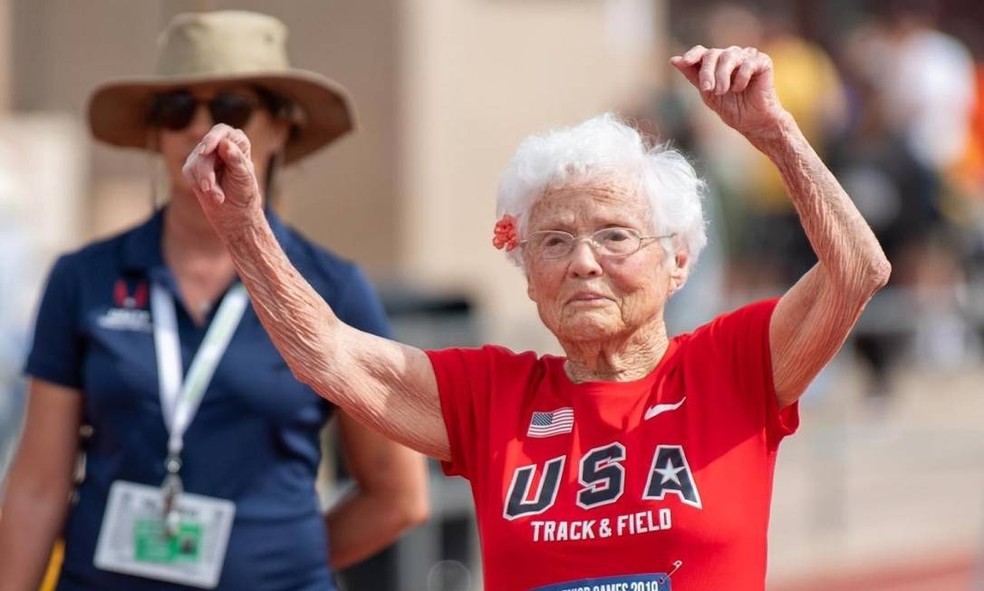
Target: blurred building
x,y
443,92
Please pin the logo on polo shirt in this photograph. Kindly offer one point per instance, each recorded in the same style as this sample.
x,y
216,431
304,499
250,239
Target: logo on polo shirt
x,y
124,298
129,311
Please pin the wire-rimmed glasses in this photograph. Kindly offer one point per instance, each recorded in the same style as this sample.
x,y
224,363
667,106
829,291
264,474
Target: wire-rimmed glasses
x,y
607,242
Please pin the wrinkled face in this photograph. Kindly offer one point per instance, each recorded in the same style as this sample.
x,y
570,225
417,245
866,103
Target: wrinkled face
x,y
267,134
585,297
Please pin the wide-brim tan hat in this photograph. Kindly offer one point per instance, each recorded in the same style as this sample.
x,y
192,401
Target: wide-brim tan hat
x,y
226,46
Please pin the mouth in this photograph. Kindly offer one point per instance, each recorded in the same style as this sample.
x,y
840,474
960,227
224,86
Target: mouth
x,y
588,298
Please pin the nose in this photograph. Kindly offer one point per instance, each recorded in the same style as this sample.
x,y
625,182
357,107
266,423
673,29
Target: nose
x,y
584,260
201,122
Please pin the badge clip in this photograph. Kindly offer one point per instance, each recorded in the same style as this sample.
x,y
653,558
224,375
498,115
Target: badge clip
x,y
171,489
676,566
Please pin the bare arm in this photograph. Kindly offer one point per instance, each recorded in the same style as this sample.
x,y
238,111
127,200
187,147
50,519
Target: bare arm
x,y
38,485
390,495
814,317
388,386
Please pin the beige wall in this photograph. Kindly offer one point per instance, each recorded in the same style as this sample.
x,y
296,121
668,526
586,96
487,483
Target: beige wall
x,y
63,48
6,56
444,90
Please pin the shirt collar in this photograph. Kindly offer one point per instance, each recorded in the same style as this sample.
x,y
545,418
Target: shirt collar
x,y
142,247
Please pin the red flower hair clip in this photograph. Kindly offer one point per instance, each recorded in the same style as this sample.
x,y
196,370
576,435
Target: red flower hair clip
x,y
505,233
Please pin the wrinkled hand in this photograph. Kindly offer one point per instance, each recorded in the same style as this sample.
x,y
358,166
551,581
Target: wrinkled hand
x,y
220,172
737,84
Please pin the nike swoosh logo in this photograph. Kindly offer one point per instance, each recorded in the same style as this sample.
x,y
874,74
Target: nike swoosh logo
x,y
658,409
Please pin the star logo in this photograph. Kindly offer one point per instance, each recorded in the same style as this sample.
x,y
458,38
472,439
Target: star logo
x,y
669,472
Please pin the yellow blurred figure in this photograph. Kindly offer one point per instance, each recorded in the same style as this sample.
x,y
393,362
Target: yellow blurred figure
x,y
54,567
810,88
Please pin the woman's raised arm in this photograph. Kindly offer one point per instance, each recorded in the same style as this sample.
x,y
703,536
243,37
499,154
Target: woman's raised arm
x,y
386,385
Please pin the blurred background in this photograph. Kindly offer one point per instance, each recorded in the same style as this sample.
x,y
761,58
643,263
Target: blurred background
x,y
882,488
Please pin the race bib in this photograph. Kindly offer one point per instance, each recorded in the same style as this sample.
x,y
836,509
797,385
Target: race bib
x,y
133,540
648,582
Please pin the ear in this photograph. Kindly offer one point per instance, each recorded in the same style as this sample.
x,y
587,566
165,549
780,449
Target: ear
x,y
281,134
154,140
679,271
530,292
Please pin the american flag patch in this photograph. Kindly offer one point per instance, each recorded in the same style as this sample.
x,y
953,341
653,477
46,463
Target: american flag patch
x,y
556,422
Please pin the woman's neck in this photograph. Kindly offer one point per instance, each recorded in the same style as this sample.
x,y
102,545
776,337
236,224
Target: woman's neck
x,y
188,234
199,261
194,254
623,359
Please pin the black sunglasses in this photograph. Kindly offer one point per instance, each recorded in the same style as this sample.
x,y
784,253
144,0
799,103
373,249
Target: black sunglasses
x,y
175,110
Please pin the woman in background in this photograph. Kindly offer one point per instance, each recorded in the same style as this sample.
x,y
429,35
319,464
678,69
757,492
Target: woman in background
x,y
200,467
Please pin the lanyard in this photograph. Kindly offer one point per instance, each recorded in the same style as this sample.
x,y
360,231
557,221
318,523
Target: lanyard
x,y
180,399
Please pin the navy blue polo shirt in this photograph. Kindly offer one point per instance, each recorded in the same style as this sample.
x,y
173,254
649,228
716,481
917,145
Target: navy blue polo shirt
x,y
254,439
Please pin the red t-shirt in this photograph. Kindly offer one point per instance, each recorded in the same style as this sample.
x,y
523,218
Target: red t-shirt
x,y
609,486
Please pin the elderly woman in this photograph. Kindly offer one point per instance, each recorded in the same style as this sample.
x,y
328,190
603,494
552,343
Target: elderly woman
x,y
637,460
231,435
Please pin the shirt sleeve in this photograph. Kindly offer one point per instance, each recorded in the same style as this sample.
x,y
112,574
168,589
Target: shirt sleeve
x,y
56,351
742,340
463,382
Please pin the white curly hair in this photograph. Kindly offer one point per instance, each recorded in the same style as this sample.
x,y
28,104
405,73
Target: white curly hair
x,y
606,147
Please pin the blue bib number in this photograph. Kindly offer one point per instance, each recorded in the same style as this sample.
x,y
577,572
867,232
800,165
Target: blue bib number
x,y
651,582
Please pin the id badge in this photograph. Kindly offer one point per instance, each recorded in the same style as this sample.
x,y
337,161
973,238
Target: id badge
x,y
133,540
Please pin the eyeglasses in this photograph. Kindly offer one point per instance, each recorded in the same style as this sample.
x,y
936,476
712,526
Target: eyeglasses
x,y
607,242
175,110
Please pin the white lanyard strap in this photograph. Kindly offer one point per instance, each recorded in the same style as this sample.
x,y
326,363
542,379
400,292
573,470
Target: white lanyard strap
x,y
179,400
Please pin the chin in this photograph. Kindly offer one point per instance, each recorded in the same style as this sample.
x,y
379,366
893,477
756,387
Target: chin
x,y
588,327
179,185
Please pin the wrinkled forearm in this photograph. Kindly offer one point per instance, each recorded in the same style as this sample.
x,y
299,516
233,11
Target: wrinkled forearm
x,y
845,246
297,319
369,377
306,332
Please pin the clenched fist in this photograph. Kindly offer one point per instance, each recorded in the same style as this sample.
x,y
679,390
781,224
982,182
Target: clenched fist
x,y
737,84
220,172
